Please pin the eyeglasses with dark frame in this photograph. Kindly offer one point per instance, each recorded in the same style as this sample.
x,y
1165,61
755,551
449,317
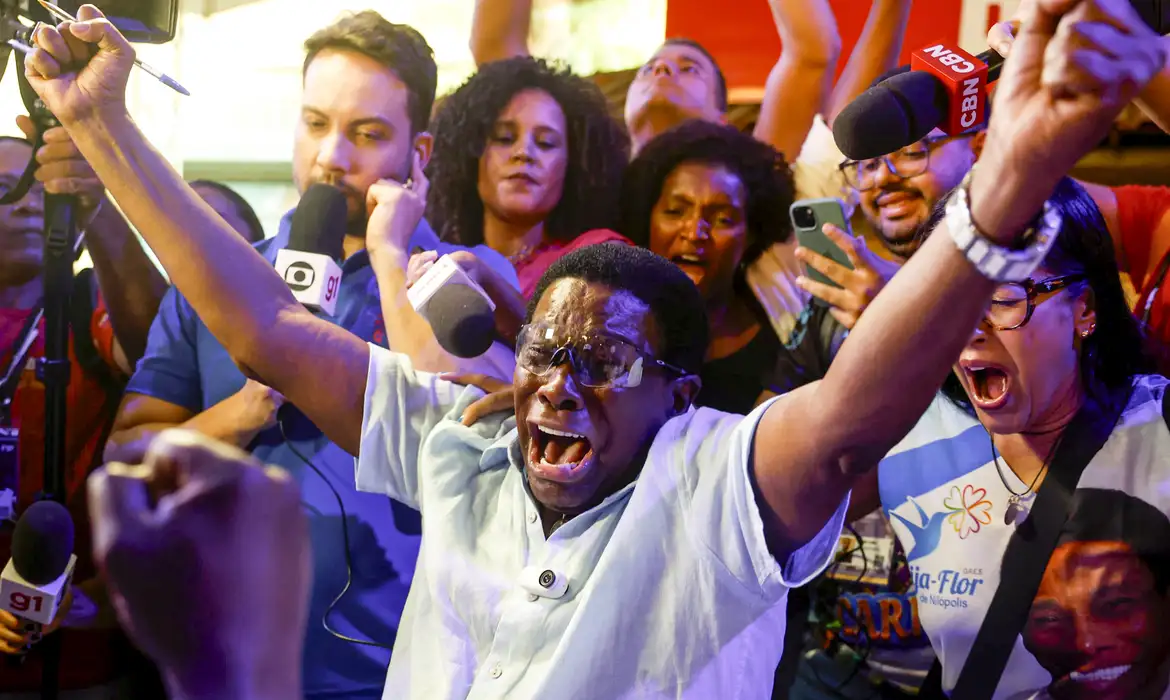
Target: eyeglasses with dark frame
x,y
1013,303
596,361
909,162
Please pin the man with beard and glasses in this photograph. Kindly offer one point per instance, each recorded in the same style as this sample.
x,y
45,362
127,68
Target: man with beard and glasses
x,y
613,541
896,194
368,90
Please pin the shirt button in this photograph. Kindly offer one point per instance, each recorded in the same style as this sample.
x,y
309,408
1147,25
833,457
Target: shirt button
x,y
532,597
496,671
532,516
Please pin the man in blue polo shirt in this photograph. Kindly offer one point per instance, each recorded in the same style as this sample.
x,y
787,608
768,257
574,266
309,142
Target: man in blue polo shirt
x,y
368,90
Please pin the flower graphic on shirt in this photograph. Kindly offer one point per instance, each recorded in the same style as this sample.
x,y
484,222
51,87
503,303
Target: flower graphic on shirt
x,y
970,511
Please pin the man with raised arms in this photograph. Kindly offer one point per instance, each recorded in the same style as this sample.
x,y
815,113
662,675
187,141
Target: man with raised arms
x,y
615,542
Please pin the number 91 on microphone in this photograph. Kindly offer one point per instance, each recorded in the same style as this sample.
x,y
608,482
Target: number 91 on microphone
x,y
30,602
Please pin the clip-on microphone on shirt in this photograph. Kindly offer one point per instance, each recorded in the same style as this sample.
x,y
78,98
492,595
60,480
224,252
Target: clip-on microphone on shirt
x,y
542,582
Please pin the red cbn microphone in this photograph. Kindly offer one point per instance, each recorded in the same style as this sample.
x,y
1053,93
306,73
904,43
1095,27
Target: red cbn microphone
x,y
963,76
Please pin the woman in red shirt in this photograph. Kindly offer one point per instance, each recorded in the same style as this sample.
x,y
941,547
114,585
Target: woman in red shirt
x,y
528,160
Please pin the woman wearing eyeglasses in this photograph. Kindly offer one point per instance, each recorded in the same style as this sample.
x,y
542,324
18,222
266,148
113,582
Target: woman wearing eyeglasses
x,y
958,486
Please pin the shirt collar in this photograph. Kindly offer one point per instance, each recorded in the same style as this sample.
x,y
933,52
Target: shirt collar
x,y
423,237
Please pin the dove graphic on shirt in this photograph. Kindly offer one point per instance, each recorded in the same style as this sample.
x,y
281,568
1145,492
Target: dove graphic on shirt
x,y
926,535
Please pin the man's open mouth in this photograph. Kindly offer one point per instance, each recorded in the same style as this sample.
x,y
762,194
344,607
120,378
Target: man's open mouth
x,y
557,454
1101,674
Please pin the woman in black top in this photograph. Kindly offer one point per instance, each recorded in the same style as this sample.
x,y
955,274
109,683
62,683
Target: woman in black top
x,y
712,199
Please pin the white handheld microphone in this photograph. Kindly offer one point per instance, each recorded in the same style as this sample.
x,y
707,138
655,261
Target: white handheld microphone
x,y
460,313
308,264
444,271
38,575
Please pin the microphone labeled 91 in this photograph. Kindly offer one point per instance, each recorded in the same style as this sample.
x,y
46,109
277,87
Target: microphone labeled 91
x,y
308,264
36,579
313,278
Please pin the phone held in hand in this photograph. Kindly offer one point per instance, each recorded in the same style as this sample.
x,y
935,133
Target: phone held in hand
x,y
808,216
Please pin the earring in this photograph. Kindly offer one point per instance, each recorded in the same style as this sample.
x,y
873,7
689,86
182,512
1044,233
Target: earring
x,y
1088,331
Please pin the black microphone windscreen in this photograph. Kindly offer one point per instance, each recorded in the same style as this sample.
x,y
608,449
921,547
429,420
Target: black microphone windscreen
x,y
1155,13
891,115
461,319
319,222
42,542
904,68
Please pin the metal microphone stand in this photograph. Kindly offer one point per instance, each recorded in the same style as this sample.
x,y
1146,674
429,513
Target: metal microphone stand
x,y
54,368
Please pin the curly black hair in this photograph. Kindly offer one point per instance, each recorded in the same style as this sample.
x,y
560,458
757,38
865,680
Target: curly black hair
x,y
597,144
767,181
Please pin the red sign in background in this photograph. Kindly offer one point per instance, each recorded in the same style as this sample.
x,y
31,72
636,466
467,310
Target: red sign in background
x,y
742,36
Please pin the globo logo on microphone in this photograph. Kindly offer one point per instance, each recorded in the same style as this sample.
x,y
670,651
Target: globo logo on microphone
x,y
313,278
299,276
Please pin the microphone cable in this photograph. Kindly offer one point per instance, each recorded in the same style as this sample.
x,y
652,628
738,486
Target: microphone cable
x,y
345,544
863,644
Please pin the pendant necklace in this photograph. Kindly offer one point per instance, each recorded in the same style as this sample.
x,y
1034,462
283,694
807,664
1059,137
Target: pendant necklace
x,y
1016,512
557,525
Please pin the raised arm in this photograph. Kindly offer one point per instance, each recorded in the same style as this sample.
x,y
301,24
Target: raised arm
x,y
798,85
399,210
129,282
876,51
244,303
499,29
1154,99
813,443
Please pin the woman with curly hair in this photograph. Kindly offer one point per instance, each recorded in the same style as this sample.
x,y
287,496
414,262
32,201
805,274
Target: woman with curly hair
x,y
528,160
711,200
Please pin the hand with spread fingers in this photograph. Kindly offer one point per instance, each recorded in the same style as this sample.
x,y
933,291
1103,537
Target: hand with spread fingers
x,y
76,82
858,287
501,396
206,553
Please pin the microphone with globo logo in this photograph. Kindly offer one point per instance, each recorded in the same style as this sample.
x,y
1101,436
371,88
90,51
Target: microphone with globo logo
x,y
309,263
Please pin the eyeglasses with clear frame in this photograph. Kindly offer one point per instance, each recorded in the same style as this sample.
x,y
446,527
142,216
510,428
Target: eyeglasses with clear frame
x,y
596,361
1013,303
909,162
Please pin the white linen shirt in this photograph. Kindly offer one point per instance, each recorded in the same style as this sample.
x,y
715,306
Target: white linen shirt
x,y
672,591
